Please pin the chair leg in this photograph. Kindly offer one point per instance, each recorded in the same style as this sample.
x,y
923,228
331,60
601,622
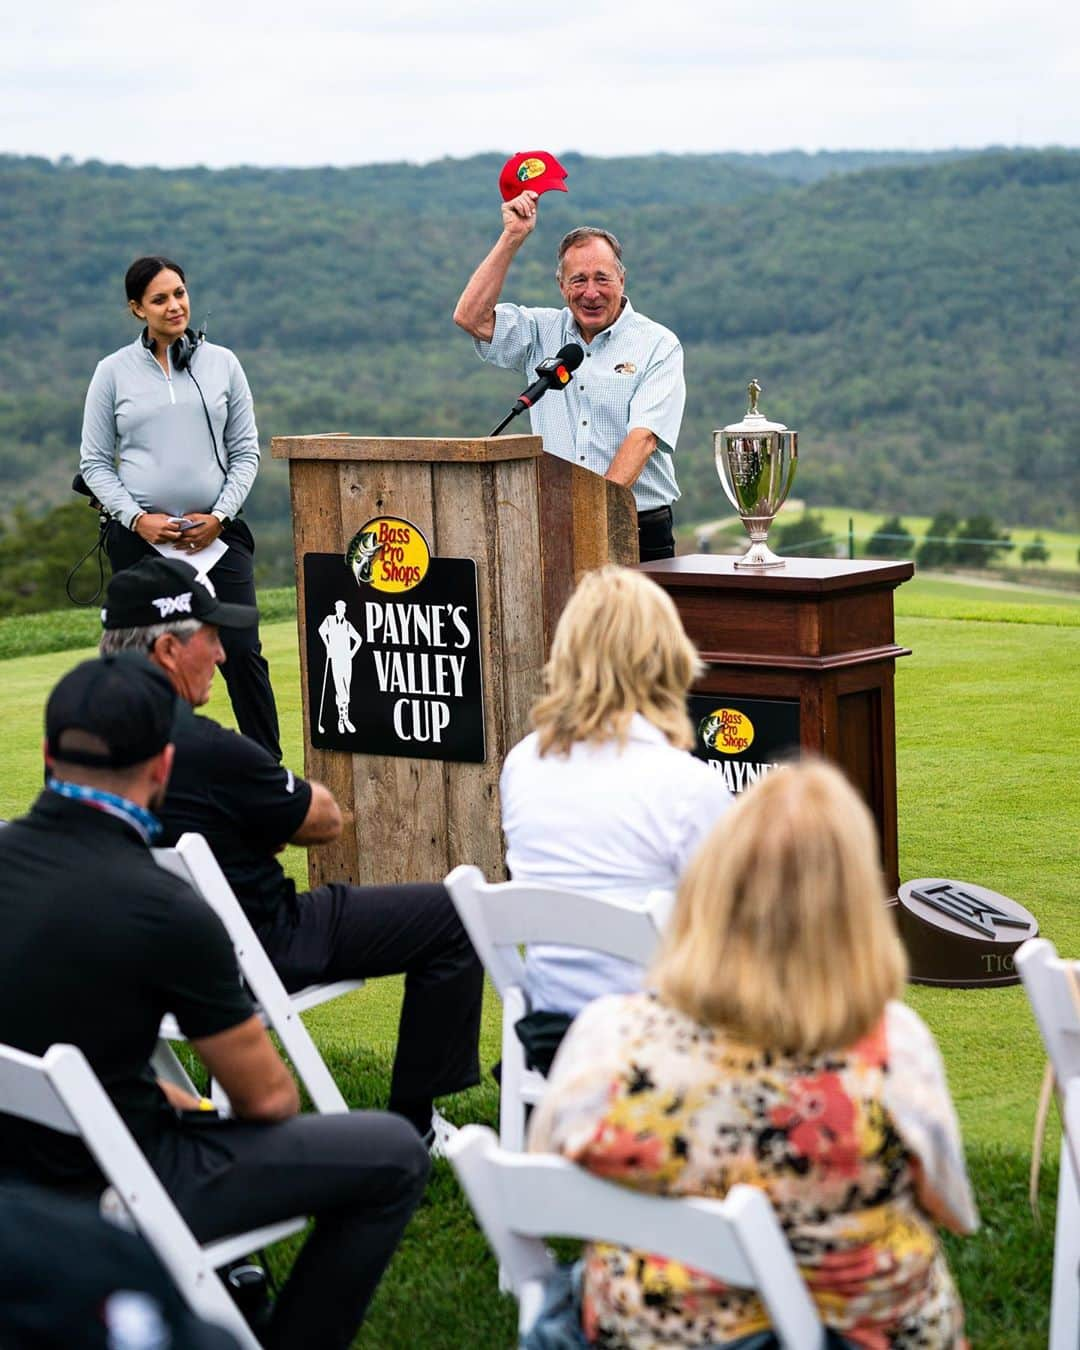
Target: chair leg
x,y
1065,1300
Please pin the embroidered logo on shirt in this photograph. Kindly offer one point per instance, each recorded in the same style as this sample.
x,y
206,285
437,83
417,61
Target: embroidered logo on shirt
x,y
625,368
290,781
173,604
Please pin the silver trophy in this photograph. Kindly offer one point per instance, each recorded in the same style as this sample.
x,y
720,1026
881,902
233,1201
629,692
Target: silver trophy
x,y
756,462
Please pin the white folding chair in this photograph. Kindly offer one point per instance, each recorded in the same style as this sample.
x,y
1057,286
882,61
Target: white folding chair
x,y
193,861
1053,989
60,1090
500,916
519,1199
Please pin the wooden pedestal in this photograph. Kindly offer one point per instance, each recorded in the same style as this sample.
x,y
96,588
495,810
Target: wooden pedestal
x,y
819,631
532,524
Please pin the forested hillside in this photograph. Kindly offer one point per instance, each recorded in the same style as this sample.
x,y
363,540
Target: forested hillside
x,y
915,317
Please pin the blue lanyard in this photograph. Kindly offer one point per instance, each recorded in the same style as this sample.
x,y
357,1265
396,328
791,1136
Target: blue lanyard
x,y
145,824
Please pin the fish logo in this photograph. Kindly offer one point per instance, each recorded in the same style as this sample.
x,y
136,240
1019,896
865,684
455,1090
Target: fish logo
x,y
727,730
389,554
529,169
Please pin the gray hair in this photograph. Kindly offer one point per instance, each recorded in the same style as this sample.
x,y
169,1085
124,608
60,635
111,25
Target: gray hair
x,y
580,236
142,640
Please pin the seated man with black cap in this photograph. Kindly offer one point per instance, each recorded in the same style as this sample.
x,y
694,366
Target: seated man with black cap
x,y
229,789
99,943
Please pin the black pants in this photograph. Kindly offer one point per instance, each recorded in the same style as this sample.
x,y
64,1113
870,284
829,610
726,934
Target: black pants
x,y
247,675
360,1175
341,932
655,536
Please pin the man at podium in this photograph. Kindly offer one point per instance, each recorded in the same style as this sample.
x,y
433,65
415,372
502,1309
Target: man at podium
x,y
620,414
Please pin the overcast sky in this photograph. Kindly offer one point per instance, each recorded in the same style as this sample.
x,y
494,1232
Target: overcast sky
x,y
222,82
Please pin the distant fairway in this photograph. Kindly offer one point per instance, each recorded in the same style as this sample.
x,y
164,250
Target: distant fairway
x,y
988,715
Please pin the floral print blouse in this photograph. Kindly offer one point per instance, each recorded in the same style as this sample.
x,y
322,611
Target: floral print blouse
x,y
859,1152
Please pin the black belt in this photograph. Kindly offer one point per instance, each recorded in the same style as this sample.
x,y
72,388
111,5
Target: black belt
x,y
657,513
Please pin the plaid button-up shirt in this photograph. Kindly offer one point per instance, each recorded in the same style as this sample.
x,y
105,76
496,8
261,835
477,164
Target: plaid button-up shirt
x,y
632,376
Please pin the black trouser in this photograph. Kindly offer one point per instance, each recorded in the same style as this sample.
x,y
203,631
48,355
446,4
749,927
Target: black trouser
x,y
247,676
655,536
360,1175
341,932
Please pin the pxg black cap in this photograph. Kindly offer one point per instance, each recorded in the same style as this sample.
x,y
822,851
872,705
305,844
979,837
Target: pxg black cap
x,y
157,590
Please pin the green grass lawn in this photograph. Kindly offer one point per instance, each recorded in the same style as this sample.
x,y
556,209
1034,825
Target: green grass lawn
x,y
988,714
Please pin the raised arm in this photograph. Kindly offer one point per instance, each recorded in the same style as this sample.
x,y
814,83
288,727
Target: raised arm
x,y
475,310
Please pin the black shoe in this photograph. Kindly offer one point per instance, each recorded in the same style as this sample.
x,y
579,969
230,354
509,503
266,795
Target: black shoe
x,y
246,1283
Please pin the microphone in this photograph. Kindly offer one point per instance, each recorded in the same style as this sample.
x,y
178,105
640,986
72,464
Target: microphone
x,y
552,373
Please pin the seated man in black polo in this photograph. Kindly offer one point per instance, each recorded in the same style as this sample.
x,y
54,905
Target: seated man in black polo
x,y
100,942
248,806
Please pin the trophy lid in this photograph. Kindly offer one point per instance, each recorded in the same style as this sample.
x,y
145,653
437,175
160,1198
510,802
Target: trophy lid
x,y
755,423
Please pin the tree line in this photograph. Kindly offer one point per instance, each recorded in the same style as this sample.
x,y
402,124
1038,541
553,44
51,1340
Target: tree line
x,y
915,318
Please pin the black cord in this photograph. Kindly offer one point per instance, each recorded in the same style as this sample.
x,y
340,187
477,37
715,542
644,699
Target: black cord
x,y
99,544
209,424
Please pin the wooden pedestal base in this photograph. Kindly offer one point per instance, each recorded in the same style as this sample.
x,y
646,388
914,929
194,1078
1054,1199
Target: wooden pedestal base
x,y
819,631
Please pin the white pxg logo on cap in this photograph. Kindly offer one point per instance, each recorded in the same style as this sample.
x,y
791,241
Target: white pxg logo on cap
x,y
158,590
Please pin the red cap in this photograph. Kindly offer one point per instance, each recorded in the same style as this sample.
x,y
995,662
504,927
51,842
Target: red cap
x,y
533,169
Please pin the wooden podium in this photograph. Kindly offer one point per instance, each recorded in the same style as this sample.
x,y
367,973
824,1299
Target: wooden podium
x,y
532,523
819,632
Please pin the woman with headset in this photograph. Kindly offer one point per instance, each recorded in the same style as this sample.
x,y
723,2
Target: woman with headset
x,y
170,449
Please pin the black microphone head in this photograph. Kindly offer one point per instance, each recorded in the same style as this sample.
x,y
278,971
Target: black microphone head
x,y
571,355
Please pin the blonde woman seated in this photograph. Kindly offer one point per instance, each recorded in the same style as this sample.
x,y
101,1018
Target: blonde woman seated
x,y
773,1052
603,796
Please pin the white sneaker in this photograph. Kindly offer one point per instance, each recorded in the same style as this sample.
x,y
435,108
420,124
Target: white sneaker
x,y
440,1134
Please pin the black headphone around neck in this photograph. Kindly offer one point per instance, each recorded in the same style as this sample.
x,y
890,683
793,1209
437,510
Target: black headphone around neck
x,y
182,350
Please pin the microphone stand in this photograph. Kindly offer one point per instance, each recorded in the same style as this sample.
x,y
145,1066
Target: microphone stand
x,y
506,420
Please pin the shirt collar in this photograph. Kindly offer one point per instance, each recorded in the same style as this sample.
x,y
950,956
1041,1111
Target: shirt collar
x,y
145,824
641,729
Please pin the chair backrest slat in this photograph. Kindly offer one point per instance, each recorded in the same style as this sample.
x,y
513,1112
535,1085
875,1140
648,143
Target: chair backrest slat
x,y
193,861
517,1198
499,916
1053,989
27,1092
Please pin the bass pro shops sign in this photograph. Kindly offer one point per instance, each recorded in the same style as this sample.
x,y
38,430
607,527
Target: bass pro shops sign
x,y
393,656
743,738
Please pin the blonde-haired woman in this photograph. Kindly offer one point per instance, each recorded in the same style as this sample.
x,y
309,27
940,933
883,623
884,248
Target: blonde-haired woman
x,y
603,796
772,1050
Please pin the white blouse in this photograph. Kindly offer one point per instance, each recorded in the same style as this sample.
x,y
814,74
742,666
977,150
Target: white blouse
x,y
608,820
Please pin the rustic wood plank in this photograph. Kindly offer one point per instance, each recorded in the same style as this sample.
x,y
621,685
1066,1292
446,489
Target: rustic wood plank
x,y
465,525
401,821
556,513
521,591
588,493
434,450
622,529
316,512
